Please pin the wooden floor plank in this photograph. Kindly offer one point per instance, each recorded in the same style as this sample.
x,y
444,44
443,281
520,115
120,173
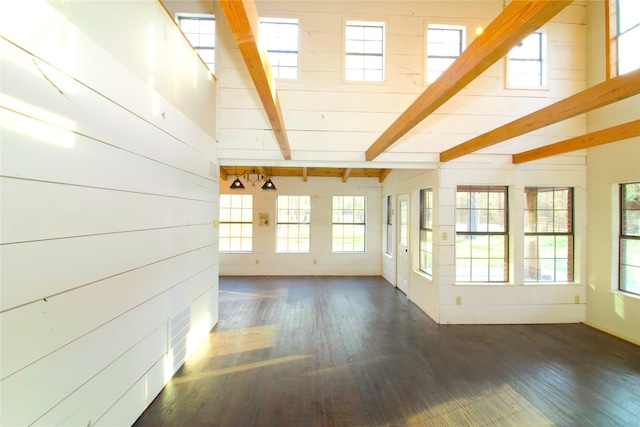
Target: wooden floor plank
x,y
328,351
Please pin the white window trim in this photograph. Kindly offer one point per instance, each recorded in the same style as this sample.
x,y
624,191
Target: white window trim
x,y
215,48
232,222
298,223
544,68
511,208
426,41
385,68
298,67
366,224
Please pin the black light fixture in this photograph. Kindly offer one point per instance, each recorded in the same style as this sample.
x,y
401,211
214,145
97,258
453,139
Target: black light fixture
x,y
252,176
237,184
269,185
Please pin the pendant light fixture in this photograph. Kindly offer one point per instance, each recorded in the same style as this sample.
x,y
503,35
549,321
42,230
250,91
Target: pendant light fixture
x,y
237,184
269,185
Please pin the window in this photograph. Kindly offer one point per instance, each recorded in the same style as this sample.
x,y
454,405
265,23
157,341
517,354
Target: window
x,y
200,30
280,36
444,45
389,249
630,237
624,30
548,234
294,223
482,240
426,230
348,218
525,65
364,51
236,222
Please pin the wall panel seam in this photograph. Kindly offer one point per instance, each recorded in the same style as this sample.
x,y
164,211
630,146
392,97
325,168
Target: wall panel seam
x,y
93,282
108,189
110,320
104,234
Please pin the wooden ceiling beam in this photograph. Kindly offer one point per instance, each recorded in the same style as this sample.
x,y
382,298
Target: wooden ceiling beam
x,y
593,139
223,174
597,96
243,19
517,21
304,174
345,174
383,175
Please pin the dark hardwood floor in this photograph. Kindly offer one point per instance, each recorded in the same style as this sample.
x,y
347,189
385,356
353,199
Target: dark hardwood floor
x,y
329,351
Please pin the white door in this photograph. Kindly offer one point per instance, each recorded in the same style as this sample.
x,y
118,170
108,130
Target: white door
x,y
402,258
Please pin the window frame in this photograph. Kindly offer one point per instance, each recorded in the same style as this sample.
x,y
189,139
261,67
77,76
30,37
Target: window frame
x,y
198,48
241,223
622,237
426,231
276,66
443,27
570,234
363,224
389,227
542,60
613,34
362,53
299,223
505,233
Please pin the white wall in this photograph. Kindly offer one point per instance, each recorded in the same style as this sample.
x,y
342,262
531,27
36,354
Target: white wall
x,y
515,301
609,165
264,260
423,290
330,119
109,259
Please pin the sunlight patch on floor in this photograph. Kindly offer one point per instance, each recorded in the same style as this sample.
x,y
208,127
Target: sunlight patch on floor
x,y
236,369
503,406
231,296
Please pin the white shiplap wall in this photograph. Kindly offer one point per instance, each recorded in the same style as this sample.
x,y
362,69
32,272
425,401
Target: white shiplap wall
x,y
109,189
608,309
512,302
330,119
264,260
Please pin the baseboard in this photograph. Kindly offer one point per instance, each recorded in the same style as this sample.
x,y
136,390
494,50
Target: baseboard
x,y
606,331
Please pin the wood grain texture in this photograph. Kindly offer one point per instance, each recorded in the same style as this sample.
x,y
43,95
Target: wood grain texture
x,y
384,174
345,174
305,172
597,96
328,351
593,139
242,17
517,20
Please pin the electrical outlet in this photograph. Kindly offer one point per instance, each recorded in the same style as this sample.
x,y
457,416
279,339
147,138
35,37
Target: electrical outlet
x,y
315,261
257,262
445,235
215,223
458,300
576,299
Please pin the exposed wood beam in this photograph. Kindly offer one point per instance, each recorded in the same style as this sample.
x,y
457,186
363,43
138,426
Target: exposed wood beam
x,y
517,20
593,139
345,174
243,19
597,96
223,174
383,175
304,174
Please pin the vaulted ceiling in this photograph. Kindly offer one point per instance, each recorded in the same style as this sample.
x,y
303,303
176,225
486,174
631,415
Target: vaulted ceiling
x,y
510,27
